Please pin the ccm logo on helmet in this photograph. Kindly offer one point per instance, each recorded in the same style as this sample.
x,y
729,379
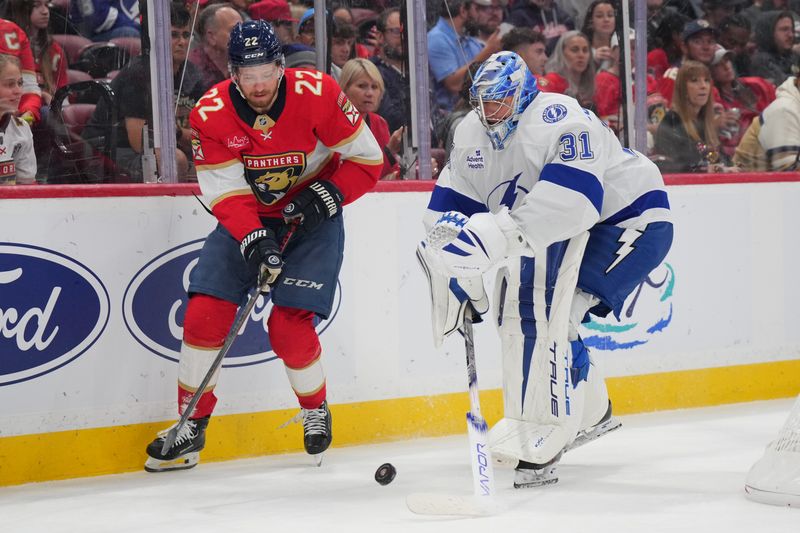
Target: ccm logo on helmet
x,y
303,283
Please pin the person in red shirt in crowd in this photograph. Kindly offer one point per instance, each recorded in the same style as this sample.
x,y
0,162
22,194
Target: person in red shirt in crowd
x,y
746,97
668,51
14,41
570,70
33,16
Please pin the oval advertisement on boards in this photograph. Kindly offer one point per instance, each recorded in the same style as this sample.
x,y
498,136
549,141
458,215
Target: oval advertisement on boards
x,y
646,313
155,302
52,309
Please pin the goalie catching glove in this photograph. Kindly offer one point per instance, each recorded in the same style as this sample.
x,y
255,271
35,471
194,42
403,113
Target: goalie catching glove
x,y
470,246
261,251
314,205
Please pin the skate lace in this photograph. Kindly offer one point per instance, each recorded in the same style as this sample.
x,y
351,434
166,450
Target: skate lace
x,y
313,421
188,431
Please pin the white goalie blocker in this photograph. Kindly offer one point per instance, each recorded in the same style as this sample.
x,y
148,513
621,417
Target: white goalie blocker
x,y
775,478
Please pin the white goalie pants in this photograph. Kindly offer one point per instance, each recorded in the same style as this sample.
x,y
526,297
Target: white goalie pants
x,y
550,389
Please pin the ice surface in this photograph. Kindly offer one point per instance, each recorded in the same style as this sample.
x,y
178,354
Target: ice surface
x,y
680,471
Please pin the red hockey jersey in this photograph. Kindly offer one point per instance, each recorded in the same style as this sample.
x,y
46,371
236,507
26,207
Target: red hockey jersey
x,y
251,165
14,42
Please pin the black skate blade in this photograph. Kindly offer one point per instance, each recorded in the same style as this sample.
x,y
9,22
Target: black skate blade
x,y
186,462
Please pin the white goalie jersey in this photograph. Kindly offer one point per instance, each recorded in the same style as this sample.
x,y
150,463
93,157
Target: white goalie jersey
x,y
562,172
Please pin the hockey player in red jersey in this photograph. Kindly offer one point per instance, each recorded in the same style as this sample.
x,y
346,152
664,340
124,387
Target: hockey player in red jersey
x,y
271,146
14,42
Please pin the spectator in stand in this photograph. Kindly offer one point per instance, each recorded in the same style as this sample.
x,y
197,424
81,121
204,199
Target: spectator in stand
x,y
656,12
16,43
699,44
33,17
211,57
103,20
530,46
735,35
488,18
390,61
242,6
570,69
343,39
774,36
17,158
669,52
746,97
599,25
345,14
687,140
363,85
773,142
278,14
462,108
544,16
715,11
609,96
133,101
576,9
451,51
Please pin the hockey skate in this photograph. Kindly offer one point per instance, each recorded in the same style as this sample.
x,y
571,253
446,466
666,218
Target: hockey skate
x,y
185,453
527,475
606,424
317,435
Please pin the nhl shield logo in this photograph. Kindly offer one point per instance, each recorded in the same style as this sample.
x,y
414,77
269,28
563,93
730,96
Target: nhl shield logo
x,y
272,176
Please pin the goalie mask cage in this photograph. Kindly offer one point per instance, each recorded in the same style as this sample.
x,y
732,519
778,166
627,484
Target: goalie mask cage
x,y
775,478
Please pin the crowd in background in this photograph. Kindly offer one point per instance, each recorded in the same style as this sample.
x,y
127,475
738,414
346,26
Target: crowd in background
x,y
722,91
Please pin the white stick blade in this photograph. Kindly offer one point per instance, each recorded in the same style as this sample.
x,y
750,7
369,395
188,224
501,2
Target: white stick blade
x,y
450,505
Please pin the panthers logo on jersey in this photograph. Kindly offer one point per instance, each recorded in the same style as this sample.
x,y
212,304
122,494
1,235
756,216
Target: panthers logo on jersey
x,y
272,176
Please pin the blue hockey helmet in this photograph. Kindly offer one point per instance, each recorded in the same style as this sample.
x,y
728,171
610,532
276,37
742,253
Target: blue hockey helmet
x,y
505,79
254,43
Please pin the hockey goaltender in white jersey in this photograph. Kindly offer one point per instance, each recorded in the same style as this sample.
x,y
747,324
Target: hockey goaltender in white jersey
x,y
542,187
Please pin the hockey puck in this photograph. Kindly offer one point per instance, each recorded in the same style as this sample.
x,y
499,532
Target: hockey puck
x,y
385,473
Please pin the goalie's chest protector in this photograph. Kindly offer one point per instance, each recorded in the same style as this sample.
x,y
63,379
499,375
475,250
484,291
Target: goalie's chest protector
x,y
498,177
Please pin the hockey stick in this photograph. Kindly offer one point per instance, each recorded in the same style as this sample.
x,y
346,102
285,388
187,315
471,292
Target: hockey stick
x,y
482,502
244,312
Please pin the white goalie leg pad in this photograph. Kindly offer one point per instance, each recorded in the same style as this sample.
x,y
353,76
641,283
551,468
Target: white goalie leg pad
x,y
543,411
450,297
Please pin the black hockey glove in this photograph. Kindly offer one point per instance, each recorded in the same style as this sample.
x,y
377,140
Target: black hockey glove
x,y
313,205
261,251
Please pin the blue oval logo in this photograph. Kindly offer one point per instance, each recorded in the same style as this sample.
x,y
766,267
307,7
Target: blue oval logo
x,y
554,113
646,312
52,309
155,301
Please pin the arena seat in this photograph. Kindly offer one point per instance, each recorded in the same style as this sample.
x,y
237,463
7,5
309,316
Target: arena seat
x,y
132,45
72,45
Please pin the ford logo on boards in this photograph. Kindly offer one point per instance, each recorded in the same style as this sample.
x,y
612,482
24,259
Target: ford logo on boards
x,y
155,301
52,309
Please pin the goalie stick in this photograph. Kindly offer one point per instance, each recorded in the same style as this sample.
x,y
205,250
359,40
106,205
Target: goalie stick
x,y
482,502
261,287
